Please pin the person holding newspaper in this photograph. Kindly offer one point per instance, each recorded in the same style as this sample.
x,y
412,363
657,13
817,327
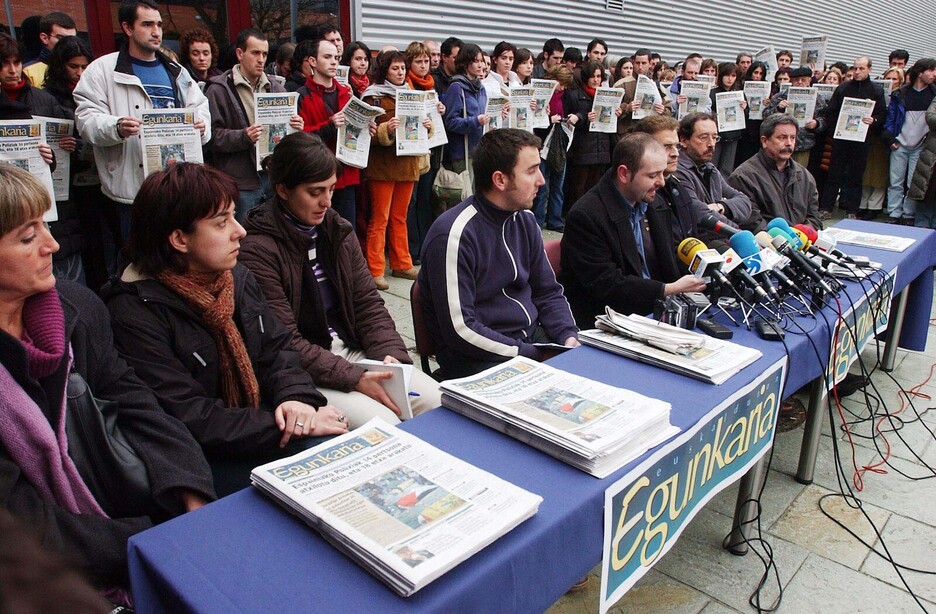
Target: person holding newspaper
x,y
465,102
811,131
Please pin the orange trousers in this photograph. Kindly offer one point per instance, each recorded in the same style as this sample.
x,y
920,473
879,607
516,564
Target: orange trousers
x,y
389,203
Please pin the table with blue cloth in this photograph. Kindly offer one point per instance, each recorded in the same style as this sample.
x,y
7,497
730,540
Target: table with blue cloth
x,y
245,553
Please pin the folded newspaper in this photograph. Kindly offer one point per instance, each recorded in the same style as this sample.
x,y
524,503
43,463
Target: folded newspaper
x,y
592,426
400,508
663,345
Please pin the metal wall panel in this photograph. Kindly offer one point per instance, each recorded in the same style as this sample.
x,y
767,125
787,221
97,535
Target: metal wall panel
x,y
673,28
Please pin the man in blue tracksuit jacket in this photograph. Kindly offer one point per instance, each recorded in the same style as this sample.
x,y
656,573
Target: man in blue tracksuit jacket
x,y
488,291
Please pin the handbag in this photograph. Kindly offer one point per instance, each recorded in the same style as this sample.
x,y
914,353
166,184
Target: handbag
x,y
110,467
449,187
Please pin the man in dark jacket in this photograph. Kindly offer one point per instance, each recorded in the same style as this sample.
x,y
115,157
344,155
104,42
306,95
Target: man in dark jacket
x,y
850,157
233,127
617,250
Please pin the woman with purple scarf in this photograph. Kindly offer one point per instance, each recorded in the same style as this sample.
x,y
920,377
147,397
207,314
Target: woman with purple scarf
x,y
47,331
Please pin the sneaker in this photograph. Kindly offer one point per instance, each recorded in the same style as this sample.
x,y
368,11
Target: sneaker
x,y
409,273
381,283
907,221
825,215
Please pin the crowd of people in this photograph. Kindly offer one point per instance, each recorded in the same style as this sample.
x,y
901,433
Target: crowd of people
x,y
225,309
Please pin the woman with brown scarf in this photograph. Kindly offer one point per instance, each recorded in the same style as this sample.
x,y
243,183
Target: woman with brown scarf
x,y
195,327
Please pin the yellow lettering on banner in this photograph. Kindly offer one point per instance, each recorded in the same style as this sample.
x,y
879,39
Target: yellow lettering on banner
x,y
625,525
655,530
767,416
739,442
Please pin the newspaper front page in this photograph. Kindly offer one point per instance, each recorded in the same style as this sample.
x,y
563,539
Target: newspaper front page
x,y
825,90
412,137
801,104
888,86
55,129
647,94
19,146
168,136
697,97
607,99
813,51
710,79
495,112
849,126
728,111
437,135
542,93
354,138
521,115
768,56
402,509
341,74
757,94
272,111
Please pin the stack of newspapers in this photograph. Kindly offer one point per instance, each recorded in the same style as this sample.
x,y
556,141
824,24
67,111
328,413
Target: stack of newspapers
x,y
400,508
676,349
592,426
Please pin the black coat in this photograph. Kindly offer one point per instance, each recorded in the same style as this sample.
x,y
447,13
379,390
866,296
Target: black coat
x,y
172,350
587,147
600,263
173,459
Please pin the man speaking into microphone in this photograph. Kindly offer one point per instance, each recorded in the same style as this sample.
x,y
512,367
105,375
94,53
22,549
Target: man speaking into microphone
x,y
777,185
616,250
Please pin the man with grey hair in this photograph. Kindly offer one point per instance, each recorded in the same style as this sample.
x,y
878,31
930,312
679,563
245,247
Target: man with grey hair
x,y
435,53
776,184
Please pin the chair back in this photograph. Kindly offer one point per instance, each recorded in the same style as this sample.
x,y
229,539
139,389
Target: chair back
x,y
553,254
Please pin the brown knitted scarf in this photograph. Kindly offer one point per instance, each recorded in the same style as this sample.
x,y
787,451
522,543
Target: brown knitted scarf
x,y
211,297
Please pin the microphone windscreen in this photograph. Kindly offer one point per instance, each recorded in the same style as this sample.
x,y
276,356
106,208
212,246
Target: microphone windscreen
x,y
802,237
687,249
764,240
787,236
782,224
809,231
744,243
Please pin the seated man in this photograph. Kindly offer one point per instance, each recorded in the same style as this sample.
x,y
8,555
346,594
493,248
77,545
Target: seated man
x,y
488,290
617,250
777,185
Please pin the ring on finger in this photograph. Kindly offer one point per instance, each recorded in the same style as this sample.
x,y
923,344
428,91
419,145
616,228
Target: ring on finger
x,y
342,417
300,424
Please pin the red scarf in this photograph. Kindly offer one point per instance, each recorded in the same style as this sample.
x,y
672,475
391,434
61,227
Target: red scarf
x,y
359,84
588,90
13,92
420,83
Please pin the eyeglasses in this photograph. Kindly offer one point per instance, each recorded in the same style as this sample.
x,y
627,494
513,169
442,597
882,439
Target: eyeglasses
x,y
708,138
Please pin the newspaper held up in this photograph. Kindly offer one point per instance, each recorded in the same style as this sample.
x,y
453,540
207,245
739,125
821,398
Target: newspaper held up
x,y
728,111
521,115
341,74
607,100
825,90
272,111
354,138
813,51
646,94
697,97
400,508
495,112
801,104
55,129
412,136
757,94
168,136
542,93
710,79
437,135
888,86
19,146
785,88
849,126
768,56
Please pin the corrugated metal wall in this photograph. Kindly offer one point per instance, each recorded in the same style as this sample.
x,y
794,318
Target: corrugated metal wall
x,y
673,28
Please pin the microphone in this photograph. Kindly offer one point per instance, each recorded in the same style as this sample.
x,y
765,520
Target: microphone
x,y
804,264
746,247
781,266
828,243
711,222
812,236
702,262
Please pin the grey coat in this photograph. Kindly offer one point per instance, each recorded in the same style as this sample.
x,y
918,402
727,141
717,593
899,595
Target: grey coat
x,y
797,201
923,173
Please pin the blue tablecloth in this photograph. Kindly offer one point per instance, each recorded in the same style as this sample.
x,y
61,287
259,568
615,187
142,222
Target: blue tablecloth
x,y
244,553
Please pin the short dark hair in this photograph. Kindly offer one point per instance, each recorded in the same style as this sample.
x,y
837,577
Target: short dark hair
x,y
743,55
384,60
841,66
786,53
304,49
630,150
57,18
551,46
241,41
654,123
521,55
588,71
688,123
127,13
921,65
642,51
169,200
572,54
783,71
725,69
594,43
56,80
10,49
771,122
351,49
307,32
499,150
285,52
328,28
655,56
301,157
450,43
466,55
899,54
502,48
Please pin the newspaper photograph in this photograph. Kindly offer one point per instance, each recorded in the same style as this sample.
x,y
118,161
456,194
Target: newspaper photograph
x,y
495,111
404,510
768,56
542,93
813,51
607,101
412,136
849,126
647,94
697,97
710,79
272,111
354,138
824,90
168,136
55,129
728,110
19,146
437,135
521,115
757,94
341,74
801,104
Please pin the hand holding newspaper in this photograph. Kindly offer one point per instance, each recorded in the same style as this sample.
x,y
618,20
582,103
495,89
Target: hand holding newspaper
x,y
354,138
495,112
398,386
437,136
607,101
168,136
697,97
521,115
728,111
19,146
273,111
801,104
55,130
542,93
646,94
849,126
412,136
757,94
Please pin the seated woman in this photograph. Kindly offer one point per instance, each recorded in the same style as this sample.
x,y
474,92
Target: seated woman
x,y
194,326
48,330
311,269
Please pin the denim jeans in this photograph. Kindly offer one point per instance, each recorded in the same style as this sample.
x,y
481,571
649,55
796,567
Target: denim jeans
x,y
419,216
903,161
345,204
550,193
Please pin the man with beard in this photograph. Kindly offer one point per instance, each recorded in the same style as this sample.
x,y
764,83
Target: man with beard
x,y
617,250
777,185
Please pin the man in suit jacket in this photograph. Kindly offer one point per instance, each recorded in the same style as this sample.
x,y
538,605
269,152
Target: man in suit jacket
x,y
617,250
